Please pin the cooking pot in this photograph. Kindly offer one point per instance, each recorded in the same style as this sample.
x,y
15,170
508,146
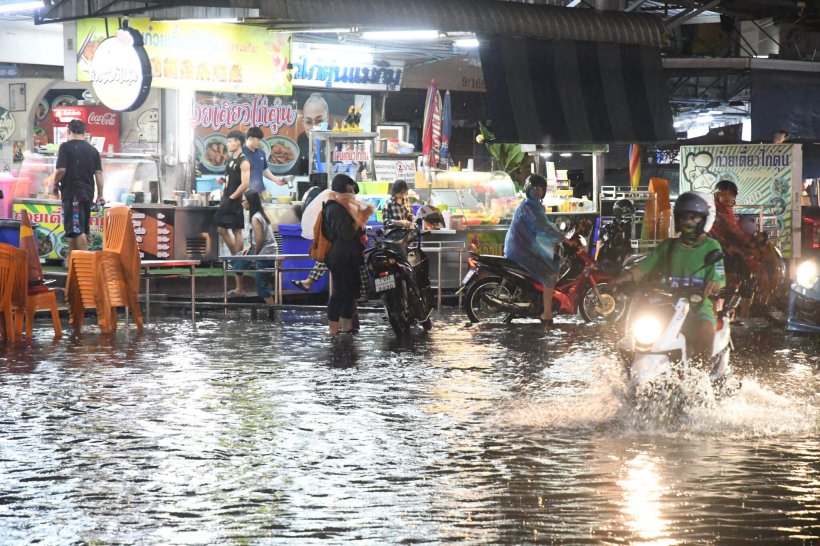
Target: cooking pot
x,y
190,202
180,196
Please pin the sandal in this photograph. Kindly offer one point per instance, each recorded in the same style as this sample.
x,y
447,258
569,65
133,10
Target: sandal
x,y
300,285
235,294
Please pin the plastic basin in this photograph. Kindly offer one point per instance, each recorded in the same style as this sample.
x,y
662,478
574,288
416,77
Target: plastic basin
x,y
294,243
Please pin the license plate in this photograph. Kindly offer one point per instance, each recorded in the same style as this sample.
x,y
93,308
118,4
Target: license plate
x,y
387,282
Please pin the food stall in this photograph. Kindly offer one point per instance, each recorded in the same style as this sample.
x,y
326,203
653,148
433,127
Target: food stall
x,y
130,179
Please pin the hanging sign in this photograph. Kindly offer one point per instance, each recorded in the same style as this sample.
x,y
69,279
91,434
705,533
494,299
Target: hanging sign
x,y
121,72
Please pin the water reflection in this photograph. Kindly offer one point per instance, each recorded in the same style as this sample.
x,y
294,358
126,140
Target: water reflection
x,y
268,432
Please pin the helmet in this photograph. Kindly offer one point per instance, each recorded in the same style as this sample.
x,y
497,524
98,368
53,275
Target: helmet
x,y
534,180
623,209
693,202
432,217
724,185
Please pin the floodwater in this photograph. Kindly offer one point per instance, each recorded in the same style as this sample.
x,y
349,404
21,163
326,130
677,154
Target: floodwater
x,y
240,432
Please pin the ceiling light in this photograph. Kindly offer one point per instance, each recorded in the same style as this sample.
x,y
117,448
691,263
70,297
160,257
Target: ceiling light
x,y
403,35
467,43
546,154
566,154
14,7
715,112
203,20
316,30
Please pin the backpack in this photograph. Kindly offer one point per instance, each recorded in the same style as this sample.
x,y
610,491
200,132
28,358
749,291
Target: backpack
x,y
320,246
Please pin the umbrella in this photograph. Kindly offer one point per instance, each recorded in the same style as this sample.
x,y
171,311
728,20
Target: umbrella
x,y
446,131
431,133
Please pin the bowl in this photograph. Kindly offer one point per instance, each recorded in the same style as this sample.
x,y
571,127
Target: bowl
x,y
406,149
215,153
283,153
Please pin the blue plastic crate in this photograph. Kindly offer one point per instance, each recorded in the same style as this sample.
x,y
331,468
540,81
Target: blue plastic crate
x,y
294,243
10,232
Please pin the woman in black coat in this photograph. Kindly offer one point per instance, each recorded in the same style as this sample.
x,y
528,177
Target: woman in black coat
x,y
345,255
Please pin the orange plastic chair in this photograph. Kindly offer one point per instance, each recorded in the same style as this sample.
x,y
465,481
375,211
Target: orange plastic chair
x,y
120,238
12,293
38,295
107,279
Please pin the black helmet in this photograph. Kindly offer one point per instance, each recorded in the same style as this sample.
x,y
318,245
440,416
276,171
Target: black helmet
x,y
431,216
623,209
534,180
693,202
724,185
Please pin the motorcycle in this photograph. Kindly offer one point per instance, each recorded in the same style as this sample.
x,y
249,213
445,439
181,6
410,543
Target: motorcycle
x,y
400,271
746,292
498,289
653,345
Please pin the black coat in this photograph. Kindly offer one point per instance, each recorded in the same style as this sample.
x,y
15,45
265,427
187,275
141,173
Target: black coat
x,y
345,236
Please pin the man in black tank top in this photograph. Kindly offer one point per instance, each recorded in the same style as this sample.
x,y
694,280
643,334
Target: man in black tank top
x,y
230,216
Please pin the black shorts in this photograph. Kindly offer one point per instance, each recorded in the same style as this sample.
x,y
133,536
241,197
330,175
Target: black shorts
x,y
230,214
76,217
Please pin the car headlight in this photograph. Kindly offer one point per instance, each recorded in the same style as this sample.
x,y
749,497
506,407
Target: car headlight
x,y
647,330
807,274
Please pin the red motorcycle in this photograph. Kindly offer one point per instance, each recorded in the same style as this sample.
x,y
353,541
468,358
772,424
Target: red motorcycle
x,y
498,289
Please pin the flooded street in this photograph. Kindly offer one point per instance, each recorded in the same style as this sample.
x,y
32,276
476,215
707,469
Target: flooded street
x,y
240,432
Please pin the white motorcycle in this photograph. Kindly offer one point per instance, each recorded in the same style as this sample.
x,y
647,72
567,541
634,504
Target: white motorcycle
x,y
654,346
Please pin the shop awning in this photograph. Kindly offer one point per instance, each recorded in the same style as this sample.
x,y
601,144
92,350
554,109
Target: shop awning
x,y
561,91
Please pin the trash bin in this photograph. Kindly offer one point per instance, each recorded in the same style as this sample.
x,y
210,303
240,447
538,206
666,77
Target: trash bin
x,y
294,243
10,232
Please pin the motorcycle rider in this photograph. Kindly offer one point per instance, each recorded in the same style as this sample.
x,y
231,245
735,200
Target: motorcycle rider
x,y
614,243
532,239
742,252
681,260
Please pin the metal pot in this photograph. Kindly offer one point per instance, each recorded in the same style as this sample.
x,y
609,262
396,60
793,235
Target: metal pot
x,y
180,197
380,146
190,202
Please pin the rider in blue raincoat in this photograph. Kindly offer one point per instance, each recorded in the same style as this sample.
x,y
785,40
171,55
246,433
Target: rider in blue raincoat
x,y
532,241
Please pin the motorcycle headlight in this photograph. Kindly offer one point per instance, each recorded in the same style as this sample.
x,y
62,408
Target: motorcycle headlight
x,y
646,330
807,274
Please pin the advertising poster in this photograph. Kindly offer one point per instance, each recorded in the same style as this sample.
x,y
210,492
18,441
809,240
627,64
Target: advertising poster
x,y
203,56
47,221
285,122
766,175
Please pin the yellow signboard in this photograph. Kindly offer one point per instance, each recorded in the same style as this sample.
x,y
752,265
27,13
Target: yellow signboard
x,y
200,56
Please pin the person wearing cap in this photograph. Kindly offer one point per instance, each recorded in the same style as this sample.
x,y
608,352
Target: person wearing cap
x,y
397,211
78,171
258,161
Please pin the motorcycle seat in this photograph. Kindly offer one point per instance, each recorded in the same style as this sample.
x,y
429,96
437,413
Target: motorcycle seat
x,y
501,261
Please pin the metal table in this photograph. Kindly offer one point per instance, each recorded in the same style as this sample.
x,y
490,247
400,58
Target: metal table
x,y
148,265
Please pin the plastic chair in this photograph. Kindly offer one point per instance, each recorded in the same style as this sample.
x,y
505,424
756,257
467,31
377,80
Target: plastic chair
x,y
38,295
107,279
120,238
12,295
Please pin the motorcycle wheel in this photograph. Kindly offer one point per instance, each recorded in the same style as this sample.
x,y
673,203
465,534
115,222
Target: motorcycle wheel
x,y
396,313
609,309
478,309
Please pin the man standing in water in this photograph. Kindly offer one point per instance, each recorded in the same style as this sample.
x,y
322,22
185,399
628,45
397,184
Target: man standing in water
x,y
78,169
230,216
258,162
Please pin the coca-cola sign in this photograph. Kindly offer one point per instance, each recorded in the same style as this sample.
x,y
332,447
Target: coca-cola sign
x,y
121,71
102,118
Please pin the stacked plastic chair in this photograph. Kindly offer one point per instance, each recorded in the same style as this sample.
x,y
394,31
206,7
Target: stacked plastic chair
x,y
107,279
12,294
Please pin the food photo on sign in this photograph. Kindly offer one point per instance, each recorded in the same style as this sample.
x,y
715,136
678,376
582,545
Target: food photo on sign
x,y
285,122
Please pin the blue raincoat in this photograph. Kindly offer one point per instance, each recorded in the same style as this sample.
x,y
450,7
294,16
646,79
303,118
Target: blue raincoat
x,y
531,242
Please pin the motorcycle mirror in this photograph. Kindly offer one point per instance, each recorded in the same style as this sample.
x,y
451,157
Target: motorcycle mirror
x,y
419,222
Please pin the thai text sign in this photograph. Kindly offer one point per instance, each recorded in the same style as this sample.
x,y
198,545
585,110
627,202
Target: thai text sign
x,y
324,68
202,56
767,177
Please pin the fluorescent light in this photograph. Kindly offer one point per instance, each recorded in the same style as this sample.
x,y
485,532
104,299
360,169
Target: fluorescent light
x,y
466,43
315,30
566,154
20,6
715,112
403,35
546,154
204,20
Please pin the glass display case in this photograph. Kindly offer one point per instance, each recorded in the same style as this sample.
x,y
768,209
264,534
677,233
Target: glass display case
x,y
127,177
335,152
475,198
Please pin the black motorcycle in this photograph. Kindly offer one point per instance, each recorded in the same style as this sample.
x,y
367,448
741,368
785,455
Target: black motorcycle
x,y
400,272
